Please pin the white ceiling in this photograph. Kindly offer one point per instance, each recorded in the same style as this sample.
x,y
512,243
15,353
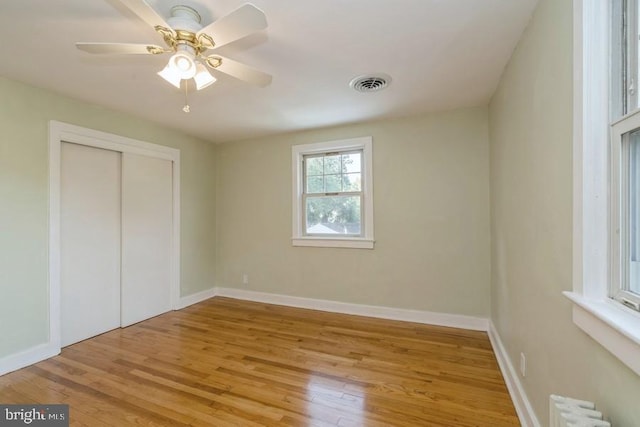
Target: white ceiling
x,y
441,54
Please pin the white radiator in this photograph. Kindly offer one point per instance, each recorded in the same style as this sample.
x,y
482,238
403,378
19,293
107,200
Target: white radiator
x,y
568,412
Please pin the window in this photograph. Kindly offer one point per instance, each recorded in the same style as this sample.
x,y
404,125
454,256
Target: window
x,y
605,176
333,194
625,155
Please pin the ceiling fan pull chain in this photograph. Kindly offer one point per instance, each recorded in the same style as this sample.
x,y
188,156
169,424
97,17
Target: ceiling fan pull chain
x,y
186,107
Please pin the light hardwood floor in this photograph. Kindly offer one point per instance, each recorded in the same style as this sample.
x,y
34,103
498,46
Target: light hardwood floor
x,y
226,362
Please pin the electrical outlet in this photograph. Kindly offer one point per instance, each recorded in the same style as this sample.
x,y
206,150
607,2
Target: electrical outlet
x,y
245,279
523,365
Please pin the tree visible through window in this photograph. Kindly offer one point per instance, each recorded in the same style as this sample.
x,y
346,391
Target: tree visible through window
x,y
333,193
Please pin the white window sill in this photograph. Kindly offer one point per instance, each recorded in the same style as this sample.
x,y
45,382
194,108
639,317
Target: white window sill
x,y
328,242
610,324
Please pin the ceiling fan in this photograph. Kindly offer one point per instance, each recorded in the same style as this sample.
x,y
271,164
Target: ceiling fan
x,y
191,43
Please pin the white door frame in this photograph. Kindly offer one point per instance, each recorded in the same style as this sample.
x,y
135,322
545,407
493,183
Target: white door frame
x,y
63,132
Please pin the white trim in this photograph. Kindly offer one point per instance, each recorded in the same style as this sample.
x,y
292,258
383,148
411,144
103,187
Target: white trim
x,y
188,300
109,141
16,361
417,316
590,148
297,152
63,132
525,411
325,242
53,288
608,323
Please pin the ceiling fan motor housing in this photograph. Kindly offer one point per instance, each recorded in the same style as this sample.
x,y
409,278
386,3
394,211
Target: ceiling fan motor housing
x,y
185,18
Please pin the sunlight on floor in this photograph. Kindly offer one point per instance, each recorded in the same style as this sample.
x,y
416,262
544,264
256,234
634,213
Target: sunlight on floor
x,y
329,401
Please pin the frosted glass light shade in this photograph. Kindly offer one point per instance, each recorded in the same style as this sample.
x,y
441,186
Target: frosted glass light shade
x,y
183,63
203,77
170,76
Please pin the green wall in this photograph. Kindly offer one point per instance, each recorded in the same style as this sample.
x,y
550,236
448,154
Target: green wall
x,y
530,125
431,197
25,113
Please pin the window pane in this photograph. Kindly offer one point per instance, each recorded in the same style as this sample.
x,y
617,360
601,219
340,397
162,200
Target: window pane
x,y
351,162
315,165
332,164
333,215
332,184
634,211
315,184
351,182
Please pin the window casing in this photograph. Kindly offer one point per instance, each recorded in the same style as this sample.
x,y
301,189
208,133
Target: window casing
x,y
333,194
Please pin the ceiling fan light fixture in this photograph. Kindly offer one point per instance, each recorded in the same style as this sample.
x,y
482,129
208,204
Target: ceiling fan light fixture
x,y
203,77
170,76
183,62
188,41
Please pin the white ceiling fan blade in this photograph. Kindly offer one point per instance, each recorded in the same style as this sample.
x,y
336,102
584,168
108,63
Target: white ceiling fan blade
x,y
241,71
245,20
146,13
120,48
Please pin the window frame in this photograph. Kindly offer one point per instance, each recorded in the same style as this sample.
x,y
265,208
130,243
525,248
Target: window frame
x,y
596,92
299,236
620,263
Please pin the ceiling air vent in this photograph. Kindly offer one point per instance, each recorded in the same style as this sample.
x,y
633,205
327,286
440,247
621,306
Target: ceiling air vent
x,y
371,83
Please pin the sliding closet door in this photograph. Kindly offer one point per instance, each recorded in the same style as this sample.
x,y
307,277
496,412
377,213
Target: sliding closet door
x,y
147,211
90,241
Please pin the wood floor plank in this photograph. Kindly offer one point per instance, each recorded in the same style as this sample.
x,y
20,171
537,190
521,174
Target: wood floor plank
x,y
226,362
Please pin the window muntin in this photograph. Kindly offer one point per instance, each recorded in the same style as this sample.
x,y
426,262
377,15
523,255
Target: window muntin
x,y
332,197
333,172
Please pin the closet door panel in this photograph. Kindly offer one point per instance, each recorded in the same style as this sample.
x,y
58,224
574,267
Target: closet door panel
x,y
147,211
90,242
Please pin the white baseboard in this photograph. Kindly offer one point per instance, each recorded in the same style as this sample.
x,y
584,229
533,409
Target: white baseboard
x,y
525,411
13,362
417,316
16,361
195,298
